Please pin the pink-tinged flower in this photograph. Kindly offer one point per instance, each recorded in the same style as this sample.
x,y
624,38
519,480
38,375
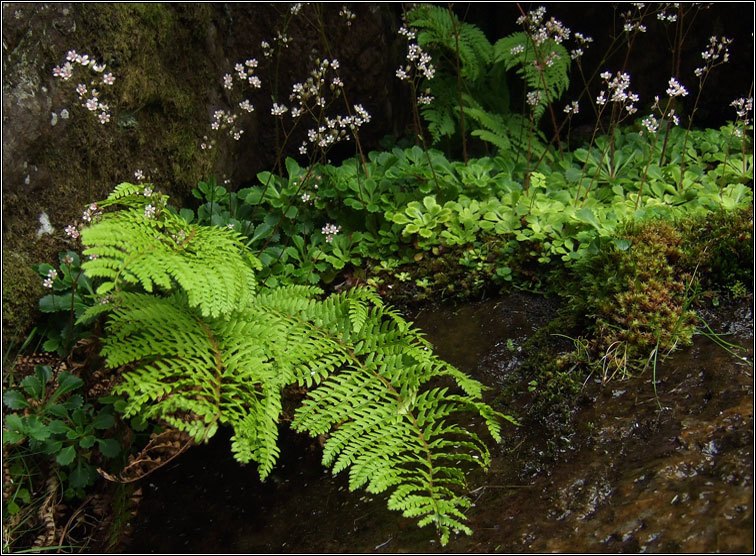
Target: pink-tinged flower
x,y
651,124
72,232
108,79
330,231
67,259
675,89
104,117
71,55
533,98
254,81
228,81
246,105
149,211
81,89
147,192
573,108
278,109
92,104
52,274
139,175
64,72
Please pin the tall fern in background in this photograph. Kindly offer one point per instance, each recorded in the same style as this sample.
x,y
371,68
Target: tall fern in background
x,y
484,68
200,346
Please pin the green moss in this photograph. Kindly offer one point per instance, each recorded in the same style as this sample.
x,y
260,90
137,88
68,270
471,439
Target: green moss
x,y
22,287
157,53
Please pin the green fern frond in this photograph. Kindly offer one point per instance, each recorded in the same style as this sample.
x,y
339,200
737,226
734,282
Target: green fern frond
x,y
390,427
199,349
551,79
128,247
437,28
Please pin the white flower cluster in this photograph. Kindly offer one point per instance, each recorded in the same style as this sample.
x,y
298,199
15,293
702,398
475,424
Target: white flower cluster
x,y
573,108
541,32
419,61
583,41
633,21
336,129
93,103
91,214
717,53
744,108
330,231
650,123
347,15
664,16
533,98
52,274
226,120
618,87
72,231
675,89
631,26
311,97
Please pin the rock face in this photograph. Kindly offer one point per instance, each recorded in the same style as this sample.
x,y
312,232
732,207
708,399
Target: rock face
x,y
168,62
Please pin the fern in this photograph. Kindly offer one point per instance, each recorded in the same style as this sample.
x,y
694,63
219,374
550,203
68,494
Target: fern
x,y
201,348
483,67
551,80
210,265
437,29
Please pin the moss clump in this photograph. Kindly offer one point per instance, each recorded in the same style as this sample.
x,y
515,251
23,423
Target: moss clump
x,y
21,287
720,246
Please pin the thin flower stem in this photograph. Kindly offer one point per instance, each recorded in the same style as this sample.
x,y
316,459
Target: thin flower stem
x,y
459,85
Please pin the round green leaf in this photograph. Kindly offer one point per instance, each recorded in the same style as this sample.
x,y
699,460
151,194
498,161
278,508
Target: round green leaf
x,y
109,447
66,455
14,399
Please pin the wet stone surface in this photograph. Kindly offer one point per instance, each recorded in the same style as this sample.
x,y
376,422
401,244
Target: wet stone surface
x,y
636,478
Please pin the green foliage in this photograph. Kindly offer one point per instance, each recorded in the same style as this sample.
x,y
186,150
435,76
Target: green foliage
x,y
129,247
47,417
199,353
72,294
543,67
